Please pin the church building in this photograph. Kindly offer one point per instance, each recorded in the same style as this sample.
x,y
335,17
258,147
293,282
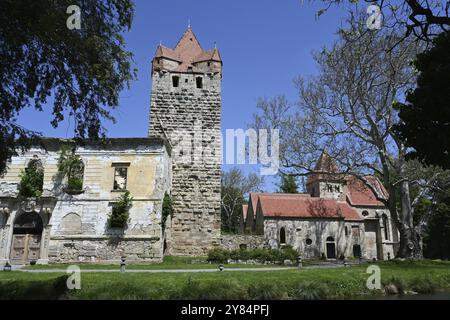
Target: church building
x,y
338,217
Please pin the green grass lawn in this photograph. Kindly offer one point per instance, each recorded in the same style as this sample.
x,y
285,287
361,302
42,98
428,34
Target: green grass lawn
x,y
341,283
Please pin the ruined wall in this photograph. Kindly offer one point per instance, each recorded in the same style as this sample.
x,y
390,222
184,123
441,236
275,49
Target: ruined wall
x,y
189,117
78,229
236,241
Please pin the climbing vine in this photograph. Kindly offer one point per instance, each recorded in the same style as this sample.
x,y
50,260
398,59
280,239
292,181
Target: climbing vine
x,y
120,211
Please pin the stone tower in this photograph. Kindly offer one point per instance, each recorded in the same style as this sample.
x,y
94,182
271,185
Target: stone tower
x,y
325,181
186,110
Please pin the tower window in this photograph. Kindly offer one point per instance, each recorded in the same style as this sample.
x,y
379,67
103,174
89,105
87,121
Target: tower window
x,y
209,64
199,81
175,81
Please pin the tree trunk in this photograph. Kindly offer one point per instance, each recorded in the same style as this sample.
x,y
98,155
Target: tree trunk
x,y
409,239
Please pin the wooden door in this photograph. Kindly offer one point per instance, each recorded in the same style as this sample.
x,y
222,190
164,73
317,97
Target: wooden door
x,y
25,248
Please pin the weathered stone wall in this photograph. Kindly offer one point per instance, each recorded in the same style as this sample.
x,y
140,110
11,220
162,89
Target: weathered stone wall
x,y
76,227
189,118
317,230
235,241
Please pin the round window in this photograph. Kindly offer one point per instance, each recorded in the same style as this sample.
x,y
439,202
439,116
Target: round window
x,y
308,242
365,213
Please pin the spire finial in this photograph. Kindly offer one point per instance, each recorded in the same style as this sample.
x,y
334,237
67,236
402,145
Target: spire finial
x,y
189,23
215,44
160,43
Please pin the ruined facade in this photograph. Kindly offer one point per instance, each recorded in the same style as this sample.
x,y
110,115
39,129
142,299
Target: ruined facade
x,y
186,110
64,225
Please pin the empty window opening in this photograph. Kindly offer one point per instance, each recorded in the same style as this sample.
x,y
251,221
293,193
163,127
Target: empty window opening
x,y
175,81
120,178
199,81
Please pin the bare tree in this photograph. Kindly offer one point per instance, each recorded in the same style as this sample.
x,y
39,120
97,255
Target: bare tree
x,y
235,187
348,110
422,19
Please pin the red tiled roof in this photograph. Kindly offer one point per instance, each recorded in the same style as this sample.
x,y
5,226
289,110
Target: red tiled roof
x,y
325,164
301,206
188,52
358,194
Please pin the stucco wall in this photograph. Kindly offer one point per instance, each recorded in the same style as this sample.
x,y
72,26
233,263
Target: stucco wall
x,y
77,229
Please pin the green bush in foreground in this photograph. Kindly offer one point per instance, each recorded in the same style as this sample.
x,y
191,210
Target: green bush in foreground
x,y
260,255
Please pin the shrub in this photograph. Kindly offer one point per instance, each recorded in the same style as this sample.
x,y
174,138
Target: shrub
x,y
120,211
167,209
32,180
71,165
218,255
260,255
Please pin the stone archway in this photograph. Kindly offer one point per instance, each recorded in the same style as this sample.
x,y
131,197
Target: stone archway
x,y
26,239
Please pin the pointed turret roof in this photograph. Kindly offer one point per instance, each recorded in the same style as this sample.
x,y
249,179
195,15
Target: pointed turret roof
x,y
325,169
188,52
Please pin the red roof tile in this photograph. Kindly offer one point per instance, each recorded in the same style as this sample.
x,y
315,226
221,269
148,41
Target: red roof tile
x,y
188,52
325,169
301,206
358,194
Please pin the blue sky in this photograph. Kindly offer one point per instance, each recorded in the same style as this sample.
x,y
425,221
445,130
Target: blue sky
x,y
264,44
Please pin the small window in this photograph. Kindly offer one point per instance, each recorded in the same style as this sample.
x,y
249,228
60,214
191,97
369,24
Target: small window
x,y
346,231
337,188
308,242
385,226
186,80
330,188
209,64
199,81
175,81
120,178
365,213
282,236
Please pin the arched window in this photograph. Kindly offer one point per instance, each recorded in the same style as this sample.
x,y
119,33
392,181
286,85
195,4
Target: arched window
x,y
32,179
385,226
282,236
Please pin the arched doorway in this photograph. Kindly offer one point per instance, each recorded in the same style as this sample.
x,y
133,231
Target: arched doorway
x,y
27,234
331,248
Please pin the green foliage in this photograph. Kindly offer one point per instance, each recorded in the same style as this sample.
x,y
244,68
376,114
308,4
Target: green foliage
x,y
167,209
83,70
120,211
288,184
437,238
260,255
31,180
71,166
426,112
45,289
